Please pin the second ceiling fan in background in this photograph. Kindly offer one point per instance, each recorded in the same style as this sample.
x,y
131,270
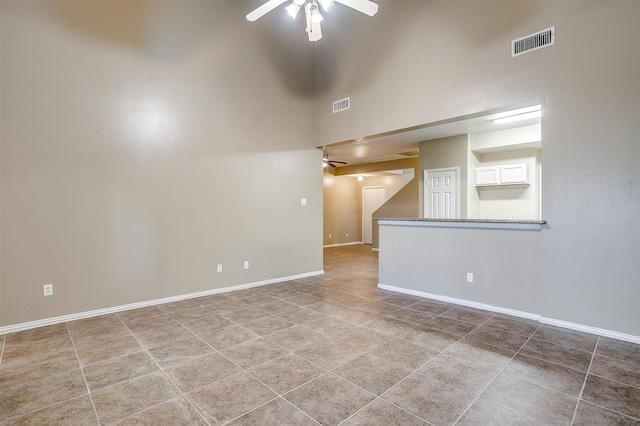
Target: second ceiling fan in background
x,y
312,11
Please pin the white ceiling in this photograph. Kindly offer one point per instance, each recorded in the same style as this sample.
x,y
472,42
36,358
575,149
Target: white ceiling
x,y
391,145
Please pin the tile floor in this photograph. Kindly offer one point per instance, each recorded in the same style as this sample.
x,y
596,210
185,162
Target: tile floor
x,y
324,350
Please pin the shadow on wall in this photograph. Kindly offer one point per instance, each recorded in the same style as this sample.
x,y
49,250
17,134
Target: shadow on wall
x,y
161,32
378,40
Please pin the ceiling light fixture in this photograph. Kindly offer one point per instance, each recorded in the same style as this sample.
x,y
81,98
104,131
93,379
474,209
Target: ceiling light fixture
x,y
360,178
293,10
534,111
312,11
519,117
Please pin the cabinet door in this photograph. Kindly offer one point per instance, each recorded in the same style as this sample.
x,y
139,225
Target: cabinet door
x,y
513,174
487,175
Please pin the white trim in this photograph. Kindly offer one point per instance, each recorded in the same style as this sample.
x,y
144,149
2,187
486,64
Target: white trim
x,y
558,323
426,223
88,314
375,249
343,244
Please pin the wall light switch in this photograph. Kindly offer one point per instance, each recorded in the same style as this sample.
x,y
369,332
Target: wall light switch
x,y
220,267
246,264
469,277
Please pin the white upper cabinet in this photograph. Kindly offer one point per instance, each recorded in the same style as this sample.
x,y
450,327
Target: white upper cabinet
x,y
506,174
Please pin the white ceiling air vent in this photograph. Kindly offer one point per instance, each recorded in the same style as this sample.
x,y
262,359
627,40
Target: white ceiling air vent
x,y
533,42
341,105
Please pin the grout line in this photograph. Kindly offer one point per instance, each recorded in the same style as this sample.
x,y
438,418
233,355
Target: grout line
x,y
584,383
73,343
495,378
167,375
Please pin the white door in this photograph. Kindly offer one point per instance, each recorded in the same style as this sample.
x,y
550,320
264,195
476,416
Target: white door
x,y
441,194
372,198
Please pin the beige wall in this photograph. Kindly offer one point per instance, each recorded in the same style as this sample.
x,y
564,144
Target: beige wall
x,y
424,61
341,207
142,144
445,153
403,204
342,195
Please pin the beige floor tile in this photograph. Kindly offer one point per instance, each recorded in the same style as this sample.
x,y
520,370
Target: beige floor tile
x,y
287,372
114,370
73,412
429,338
93,322
616,369
90,354
548,375
589,415
405,354
459,374
295,337
380,412
201,371
253,352
615,396
329,399
374,374
33,395
276,412
227,336
126,398
480,355
146,312
175,412
433,401
268,325
484,413
36,334
230,398
181,351
329,354
530,400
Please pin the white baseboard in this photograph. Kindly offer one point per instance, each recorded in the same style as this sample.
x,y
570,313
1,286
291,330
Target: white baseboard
x,y
498,309
375,249
343,244
88,314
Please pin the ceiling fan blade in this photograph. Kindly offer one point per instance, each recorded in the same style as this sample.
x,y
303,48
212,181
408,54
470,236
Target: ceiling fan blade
x,y
260,11
332,165
365,6
315,33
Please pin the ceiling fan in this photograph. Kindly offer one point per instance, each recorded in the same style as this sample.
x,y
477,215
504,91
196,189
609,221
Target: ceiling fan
x,y
331,163
312,11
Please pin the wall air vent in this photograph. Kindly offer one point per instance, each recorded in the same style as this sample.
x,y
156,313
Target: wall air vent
x,y
533,42
341,105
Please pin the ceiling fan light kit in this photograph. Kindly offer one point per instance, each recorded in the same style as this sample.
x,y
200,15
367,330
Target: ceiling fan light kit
x,y
312,11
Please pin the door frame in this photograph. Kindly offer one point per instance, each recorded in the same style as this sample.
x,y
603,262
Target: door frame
x,y
362,212
456,170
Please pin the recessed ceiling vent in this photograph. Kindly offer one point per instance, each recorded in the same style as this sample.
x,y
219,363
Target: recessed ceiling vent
x,y
341,105
533,42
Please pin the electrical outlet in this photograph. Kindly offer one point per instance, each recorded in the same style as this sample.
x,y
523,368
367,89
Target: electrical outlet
x,y
47,289
347,234
469,277
303,201
220,267
329,235
246,264
513,216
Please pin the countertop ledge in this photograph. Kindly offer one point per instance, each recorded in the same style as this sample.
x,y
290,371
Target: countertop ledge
x,y
463,223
